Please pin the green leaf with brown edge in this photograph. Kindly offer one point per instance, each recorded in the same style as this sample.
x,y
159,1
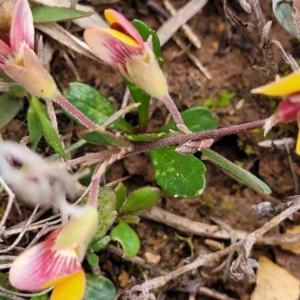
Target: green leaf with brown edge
x,y
34,127
179,175
41,297
94,105
243,175
99,287
9,107
127,237
121,193
46,14
104,138
49,132
141,199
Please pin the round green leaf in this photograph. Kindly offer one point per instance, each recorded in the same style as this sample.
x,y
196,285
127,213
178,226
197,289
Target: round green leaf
x,y
93,259
178,175
141,199
94,105
99,287
127,237
196,119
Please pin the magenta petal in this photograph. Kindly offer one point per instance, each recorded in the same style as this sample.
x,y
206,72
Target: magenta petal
x,y
109,48
41,264
287,110
22,29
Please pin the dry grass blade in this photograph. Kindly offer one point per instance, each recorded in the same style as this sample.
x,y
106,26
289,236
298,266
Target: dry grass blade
x,y
166,31
67,39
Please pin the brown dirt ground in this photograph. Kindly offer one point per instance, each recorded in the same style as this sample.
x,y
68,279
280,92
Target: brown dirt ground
x,y
230,62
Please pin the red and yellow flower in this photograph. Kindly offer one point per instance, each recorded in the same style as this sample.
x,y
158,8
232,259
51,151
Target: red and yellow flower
x,y
57,261
122,47
289,108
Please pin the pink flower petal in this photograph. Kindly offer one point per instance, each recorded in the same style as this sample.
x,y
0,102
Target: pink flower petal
x,y
120,23
40,266
288,110
5,51
22,29
31,75
109,48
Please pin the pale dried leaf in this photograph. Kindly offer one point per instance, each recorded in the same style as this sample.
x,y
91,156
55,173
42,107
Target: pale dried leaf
x,y
294,247
95,20
184,14
64,37
274,282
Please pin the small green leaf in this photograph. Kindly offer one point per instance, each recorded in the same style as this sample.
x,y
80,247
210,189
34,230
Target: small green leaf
x,y
246,177
101,243
42,297
4,282
50,134
104,138
178,175
130,219
140,96
127,237
141,199
9,107
145,31
45,14
94,105
34,127
196,119
93,259
146,137
107,211
99,287
121,193
283,11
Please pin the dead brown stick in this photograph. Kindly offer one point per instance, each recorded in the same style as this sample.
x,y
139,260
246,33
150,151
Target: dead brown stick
x,y
212,231
204,259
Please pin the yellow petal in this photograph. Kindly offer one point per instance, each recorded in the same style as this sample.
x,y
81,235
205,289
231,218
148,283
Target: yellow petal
x,y
72,288
77,233
121,36
284,86
298,143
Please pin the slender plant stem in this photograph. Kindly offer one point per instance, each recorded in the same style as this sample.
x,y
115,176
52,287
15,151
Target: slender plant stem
x,y
140,147
71,109
169,103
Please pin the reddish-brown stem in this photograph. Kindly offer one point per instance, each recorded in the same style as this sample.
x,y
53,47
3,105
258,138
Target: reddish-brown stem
x,y
140,147
64,103
169,103
94,191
